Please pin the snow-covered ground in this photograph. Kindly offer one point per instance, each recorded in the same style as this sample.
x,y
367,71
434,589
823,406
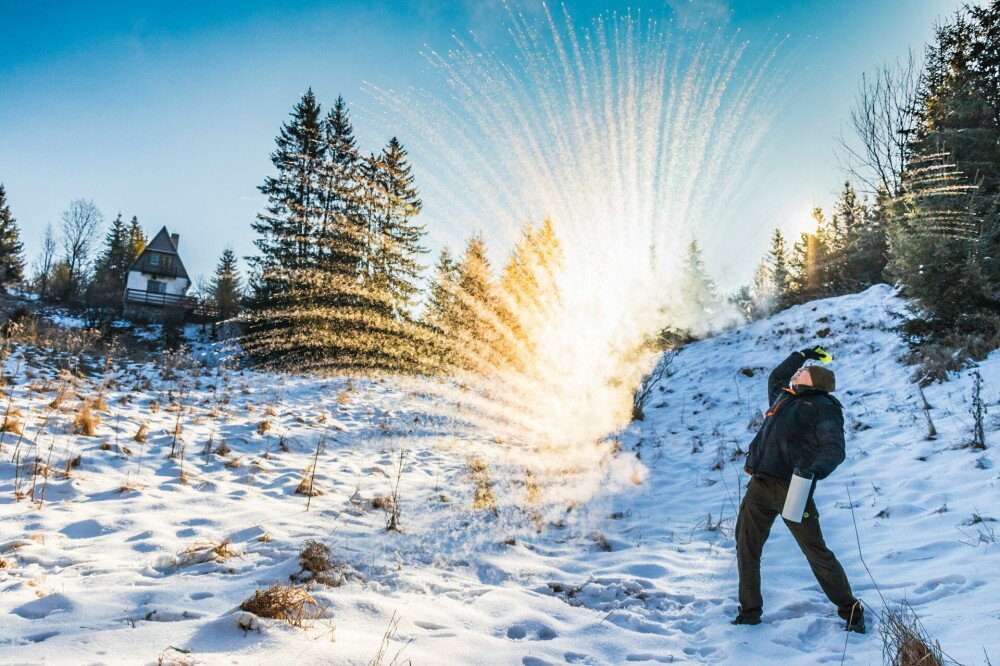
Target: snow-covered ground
x,y
599,556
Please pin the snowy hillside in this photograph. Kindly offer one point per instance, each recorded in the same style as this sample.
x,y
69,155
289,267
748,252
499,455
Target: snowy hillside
x,y
611,555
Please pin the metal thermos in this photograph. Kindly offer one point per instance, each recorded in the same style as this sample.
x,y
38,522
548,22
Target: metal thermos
x,y
798,495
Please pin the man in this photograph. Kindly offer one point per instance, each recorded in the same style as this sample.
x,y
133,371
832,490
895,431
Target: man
x,y
804,429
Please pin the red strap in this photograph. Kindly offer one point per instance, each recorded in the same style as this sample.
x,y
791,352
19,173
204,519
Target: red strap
x,y
780,402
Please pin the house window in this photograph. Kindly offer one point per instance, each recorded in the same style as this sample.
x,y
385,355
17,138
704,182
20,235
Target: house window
x,y
154,258
165,261
156,287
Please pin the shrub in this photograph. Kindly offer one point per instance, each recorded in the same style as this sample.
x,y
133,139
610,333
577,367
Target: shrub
x,y
288,603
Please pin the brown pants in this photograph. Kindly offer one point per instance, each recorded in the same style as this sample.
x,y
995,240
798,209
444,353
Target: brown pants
x,y
762,503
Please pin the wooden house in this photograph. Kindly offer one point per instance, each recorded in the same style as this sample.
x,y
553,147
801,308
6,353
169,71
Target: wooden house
x,y
157,280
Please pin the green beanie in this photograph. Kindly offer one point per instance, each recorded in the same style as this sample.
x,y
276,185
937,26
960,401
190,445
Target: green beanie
x,y
822,378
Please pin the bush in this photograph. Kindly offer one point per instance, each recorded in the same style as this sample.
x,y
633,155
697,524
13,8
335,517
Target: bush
x,y
287,603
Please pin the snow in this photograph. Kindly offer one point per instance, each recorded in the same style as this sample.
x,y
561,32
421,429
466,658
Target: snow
x,y
615,559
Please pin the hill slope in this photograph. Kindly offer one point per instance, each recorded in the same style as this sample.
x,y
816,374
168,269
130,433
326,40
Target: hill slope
x,y
506,556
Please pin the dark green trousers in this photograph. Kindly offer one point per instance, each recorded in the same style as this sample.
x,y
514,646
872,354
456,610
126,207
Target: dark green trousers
x,y
762,503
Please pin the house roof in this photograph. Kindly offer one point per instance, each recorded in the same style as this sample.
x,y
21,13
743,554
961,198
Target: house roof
x,y
161,244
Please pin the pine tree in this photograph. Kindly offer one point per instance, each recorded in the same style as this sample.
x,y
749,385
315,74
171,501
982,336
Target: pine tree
x,y
294,208
341,236
946,220
443,313
391,203
111,268
776,265
698,306
808,263
284,323
136,240
226,289
476,326
11,248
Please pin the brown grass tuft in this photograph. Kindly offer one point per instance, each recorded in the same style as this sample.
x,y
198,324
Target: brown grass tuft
x,y
904,641
306,486
59,399
99,404
206,551
85,422
484,497
382,502
315,560
286,603
12,422
264,427
142,434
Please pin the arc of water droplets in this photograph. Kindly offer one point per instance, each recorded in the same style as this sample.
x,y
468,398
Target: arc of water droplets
x,y
631,135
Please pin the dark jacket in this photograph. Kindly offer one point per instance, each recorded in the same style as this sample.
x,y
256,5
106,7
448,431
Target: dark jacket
x,y
803,429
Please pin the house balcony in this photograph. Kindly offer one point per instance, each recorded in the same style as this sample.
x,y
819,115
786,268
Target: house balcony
x,y
156,299
194,310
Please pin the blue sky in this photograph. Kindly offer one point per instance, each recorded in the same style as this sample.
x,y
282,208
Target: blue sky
x,y
168,110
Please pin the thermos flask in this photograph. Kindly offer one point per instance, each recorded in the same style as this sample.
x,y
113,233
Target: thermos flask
x,y
798,495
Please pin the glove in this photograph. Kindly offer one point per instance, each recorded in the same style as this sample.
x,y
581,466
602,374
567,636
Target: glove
x,y
815,353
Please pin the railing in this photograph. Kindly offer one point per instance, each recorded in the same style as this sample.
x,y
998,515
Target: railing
x,y
161,300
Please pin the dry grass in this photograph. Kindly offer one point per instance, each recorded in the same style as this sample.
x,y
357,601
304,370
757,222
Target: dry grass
x,y
99,403
206,550
271,410
57,402
287,603
317,565
315,557
382,502
306,484
12,422
142,434
85,422
904,641
483,497
264,427
129,486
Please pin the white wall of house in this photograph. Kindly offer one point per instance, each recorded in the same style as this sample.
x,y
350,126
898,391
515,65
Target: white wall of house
x,y
173,286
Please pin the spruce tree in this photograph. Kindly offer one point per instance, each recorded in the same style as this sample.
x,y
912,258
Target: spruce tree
x,y
443,313
946,220
776,266
111,268
11,248
294,206
808,262
284,323
341,236
392,203
476,327
226,289
136,240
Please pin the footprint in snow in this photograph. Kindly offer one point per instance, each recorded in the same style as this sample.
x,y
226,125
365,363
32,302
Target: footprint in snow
x,y
541,632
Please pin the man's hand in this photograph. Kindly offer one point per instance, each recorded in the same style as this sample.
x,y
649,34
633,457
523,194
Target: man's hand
x,y
812,354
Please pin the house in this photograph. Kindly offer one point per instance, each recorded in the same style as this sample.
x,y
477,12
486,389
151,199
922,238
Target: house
x,y
157,281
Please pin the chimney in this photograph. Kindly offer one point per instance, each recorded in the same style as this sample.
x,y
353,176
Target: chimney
x,y
175,239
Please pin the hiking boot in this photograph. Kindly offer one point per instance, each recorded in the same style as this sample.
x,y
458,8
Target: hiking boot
x,y
856,624
855,618
744,618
